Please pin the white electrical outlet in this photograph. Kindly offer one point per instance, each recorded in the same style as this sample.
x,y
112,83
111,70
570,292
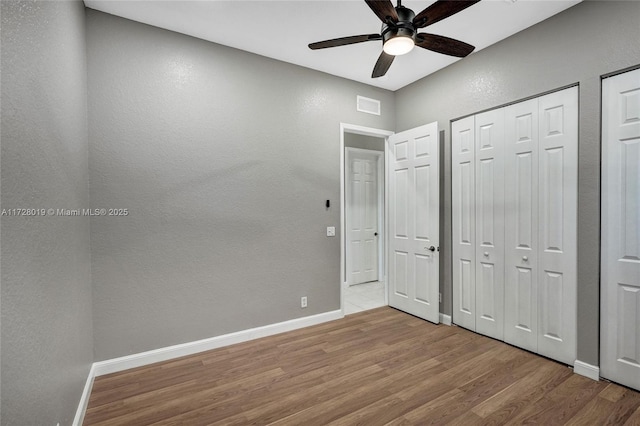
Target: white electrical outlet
x,y
303,302
331,231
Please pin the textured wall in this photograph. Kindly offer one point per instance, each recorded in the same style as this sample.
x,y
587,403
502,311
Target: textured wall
x,y
47,342
576,46
353,140
224,160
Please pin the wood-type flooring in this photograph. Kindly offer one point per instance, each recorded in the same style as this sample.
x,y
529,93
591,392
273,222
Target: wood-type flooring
x,y
376,367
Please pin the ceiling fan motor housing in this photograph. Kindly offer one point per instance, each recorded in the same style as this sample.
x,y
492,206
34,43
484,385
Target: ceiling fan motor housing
x,y
403,28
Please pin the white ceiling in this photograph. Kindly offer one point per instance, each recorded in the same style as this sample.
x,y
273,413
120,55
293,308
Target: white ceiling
x,y
283,29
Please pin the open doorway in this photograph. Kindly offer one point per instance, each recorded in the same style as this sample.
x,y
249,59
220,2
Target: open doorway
x,y
363,269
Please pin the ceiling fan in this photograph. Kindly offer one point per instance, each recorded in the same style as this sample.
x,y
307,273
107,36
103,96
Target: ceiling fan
x,y
399,33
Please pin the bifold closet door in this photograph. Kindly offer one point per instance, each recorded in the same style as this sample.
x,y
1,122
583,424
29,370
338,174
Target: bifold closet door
x,y
478,222
489,213
557,223
521,225
514,214
541,213
463,222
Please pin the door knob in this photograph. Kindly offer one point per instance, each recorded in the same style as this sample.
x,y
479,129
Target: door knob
x,y
525,258
375,234
486,254
432,248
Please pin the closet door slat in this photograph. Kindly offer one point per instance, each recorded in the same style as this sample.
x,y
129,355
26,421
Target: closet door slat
x,y
521,222
463,222
557,213
489,160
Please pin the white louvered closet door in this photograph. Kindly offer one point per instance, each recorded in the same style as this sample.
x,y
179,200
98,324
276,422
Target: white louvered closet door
x,y
489,247
521,222
463,222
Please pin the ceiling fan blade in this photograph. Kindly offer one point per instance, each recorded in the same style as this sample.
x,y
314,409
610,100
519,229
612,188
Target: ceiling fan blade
x,y
444,45
343,41
440,10
383,9
382,65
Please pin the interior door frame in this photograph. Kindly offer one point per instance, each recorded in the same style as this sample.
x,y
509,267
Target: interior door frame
x,y
366,131
379,207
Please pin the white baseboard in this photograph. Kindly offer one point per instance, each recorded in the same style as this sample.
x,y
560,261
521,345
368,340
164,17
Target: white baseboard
x,y
84,399
190,348
445,319
170,352
587,370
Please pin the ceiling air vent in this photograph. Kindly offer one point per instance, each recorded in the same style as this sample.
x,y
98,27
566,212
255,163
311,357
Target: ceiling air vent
x,y
368,105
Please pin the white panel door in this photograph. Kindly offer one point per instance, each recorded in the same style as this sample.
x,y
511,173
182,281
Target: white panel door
x,y
489,164
362,215
414,222
557,214
521,225
620,281
463,222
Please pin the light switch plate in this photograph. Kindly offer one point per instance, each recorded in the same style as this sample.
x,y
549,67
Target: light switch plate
x,y
331,231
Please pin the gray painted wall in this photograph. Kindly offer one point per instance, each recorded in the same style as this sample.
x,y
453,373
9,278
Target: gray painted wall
x,y
224,172
576,46
47,342
224,160
352,140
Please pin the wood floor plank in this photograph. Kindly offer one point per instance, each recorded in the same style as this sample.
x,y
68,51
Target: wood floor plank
x,y
560,404
333,390
408,392
595,412
634,419
503,405
612,393
372,368
470,383
623,408
164,402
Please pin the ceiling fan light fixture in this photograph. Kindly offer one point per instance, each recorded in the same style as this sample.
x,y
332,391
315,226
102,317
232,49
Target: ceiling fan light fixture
x,y
399,31
398,45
